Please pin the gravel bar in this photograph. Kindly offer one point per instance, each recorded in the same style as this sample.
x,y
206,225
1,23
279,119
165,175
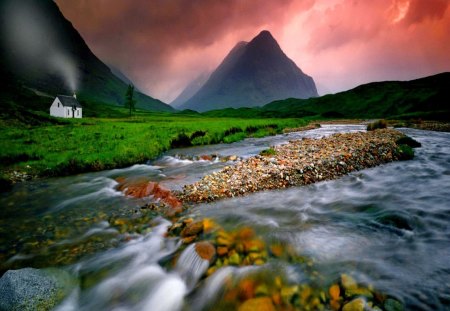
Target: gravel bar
x,y
297,163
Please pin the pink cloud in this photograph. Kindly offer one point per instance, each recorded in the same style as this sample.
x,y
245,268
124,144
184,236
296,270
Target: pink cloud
x,y
162,45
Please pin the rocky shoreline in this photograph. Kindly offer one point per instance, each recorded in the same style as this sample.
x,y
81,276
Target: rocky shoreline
x,y
298,163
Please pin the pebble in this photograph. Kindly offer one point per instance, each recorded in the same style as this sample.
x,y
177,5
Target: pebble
x,y
355,305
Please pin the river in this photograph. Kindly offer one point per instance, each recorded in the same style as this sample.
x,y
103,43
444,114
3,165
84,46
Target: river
x,y
388,226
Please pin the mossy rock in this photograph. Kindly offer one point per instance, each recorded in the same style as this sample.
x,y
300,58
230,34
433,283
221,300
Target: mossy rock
x,y
405,152
406,140
268,152
393,305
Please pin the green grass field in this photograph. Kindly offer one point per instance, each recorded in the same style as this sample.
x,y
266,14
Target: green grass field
x,y
70,146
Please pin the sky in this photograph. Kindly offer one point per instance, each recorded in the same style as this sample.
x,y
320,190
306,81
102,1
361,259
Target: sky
x,y
162,45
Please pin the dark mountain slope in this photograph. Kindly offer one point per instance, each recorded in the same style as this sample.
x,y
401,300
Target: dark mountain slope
x,y
41,51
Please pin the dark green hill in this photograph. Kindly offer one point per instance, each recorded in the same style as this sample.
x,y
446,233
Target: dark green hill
x,y
39,47
427,98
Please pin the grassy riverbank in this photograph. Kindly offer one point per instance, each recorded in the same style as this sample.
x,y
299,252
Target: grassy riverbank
x,y
64,147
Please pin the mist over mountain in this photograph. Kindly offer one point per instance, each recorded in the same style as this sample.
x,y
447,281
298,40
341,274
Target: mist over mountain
x,y
41,51
253,74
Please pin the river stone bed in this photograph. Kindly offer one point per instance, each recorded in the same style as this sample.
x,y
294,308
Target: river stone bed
x,y
271,289
297,163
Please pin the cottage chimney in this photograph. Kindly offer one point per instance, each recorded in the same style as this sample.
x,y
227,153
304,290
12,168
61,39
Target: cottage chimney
x,y
74,95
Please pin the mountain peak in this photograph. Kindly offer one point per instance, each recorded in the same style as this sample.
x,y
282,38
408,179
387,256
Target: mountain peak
x,y
265,38
265,34
253,74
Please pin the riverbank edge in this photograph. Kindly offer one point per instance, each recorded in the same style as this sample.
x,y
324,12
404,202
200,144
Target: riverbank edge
x,y
9,177
298,163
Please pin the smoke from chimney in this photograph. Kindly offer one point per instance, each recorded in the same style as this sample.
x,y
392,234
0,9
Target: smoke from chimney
x,y
30,35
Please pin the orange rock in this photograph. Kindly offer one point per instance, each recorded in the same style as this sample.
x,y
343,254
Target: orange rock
x,y
246,233
222,250
277,250
334,292
208,225
253,245
205,250
141,188
246,289
257,304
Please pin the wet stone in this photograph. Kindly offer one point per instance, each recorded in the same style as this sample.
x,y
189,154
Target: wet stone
x,y
355,305
393,305
258,304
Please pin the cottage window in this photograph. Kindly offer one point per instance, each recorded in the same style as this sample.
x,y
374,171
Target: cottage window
x,y
78,112
68,112
58,105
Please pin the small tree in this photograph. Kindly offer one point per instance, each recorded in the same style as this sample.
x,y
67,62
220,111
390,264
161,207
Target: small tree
x,y
129,101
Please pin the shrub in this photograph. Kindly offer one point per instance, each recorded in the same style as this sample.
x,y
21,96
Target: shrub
x,y
406,140
182,140
380,124
232,130
268,152
197,134
251,129
405,152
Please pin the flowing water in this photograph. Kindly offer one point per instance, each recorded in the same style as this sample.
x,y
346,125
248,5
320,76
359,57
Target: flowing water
x,y
388,226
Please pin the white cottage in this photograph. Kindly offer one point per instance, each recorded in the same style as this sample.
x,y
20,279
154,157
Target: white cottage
x,y
66,107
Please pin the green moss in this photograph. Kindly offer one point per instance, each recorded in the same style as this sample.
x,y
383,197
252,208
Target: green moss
x,y
268,152
405,152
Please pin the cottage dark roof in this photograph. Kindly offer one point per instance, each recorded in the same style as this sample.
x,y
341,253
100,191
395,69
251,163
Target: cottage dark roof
x,y
69,101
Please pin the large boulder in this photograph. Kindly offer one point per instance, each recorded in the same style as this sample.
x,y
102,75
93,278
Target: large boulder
x,y
34,289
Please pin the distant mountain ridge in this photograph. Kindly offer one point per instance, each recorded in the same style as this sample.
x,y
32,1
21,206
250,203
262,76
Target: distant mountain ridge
x,y
96,82
252,74
424,98
427,97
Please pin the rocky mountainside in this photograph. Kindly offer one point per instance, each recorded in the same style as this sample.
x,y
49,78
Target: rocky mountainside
x,y
41,51
253,74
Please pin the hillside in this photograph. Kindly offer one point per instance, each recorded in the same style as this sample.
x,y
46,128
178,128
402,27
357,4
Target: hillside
x,y
59,61
251,75
427,97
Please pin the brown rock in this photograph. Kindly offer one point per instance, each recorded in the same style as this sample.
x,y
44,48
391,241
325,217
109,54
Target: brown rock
x,y
205,250
206,157
193,228
222,250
